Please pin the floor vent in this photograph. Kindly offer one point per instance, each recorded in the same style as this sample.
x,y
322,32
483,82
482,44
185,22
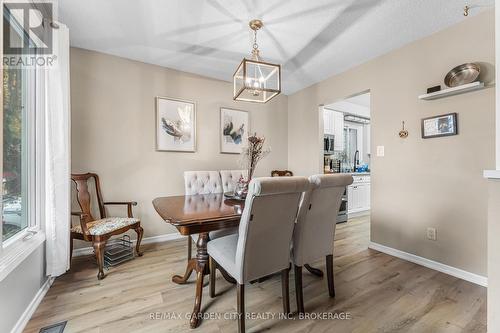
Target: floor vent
x,y
56,328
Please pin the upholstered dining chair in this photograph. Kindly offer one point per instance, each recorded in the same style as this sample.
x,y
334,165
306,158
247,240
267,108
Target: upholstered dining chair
x,y
262,245
98,231
201,182
230,178
315,227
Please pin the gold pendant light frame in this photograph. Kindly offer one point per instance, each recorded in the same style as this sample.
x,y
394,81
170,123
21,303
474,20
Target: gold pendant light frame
x,y
264,83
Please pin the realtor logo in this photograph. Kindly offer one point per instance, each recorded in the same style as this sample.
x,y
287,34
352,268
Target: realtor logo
x,y
26,28
27,33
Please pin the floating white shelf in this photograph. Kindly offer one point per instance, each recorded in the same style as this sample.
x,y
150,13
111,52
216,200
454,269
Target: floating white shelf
x,y
453,91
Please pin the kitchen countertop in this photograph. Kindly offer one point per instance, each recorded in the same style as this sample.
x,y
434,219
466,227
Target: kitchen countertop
x,y
367,173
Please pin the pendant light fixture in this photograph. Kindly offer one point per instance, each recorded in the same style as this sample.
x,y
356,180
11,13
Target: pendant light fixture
x,y
256,80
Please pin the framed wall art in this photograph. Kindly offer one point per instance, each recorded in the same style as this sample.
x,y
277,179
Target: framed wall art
x,y
234,130
438,126
175,125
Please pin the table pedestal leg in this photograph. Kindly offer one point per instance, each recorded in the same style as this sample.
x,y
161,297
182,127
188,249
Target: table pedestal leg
x,y
201,269
189,269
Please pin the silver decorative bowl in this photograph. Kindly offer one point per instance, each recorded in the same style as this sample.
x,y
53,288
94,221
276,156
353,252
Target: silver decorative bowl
x,y
463,74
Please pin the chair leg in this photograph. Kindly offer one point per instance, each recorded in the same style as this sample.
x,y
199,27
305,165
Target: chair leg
x,y
329,275
140,233
285,290
241,307
213,267
298,288
99,246
190,245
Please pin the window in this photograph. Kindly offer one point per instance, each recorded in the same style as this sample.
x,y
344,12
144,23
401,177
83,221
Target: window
x,y
353,138
14,176
18,157
22,160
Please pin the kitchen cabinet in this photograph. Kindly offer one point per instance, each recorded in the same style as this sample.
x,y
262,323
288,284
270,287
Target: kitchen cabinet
x,y
368,138
358,194
327,122
333,124
338,130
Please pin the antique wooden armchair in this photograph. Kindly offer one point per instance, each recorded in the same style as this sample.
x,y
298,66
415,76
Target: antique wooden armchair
x,y
98,231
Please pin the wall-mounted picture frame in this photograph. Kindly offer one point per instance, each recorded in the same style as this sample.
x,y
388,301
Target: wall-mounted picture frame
x,y
175,125
234,129
439,126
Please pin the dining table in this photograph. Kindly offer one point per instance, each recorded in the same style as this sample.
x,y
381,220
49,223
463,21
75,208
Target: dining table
x,y
199,214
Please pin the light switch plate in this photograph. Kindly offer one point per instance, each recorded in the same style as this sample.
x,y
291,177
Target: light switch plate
x,y
380,151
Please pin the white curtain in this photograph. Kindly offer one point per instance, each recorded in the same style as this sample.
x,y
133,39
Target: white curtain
x,y
57,156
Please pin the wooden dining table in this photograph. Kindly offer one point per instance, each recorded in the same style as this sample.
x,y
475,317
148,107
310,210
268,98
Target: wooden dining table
x,y
199,214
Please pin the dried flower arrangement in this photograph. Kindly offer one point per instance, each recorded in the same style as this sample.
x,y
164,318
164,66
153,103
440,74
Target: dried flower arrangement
x,y
250,156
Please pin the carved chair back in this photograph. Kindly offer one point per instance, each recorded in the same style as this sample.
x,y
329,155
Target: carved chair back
x,y
83,195
281,173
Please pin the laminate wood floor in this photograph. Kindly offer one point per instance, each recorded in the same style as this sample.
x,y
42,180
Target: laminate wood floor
x,y
374,293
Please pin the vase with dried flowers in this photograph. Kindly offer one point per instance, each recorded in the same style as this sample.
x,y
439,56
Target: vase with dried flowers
x,y
250,156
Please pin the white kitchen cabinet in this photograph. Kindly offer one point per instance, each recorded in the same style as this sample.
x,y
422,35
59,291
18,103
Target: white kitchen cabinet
x,y
368,196
350,198
338,130
333,124
328,121
368,138
358,194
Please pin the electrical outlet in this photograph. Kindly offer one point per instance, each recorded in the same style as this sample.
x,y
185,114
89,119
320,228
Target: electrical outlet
x,y
431,234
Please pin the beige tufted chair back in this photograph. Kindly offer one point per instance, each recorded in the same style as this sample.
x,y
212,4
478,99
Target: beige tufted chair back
x,y
230,178
266,226
202,182
315,228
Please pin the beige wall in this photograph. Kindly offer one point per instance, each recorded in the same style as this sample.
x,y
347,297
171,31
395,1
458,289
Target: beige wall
x,y
113,129
419,183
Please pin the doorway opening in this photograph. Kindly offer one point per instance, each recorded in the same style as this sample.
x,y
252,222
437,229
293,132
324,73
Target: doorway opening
x,y
347,149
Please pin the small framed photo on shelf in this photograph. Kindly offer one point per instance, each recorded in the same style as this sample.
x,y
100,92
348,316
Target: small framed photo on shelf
x,y
437,126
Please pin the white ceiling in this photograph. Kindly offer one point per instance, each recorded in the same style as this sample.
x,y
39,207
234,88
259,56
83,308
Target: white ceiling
x,y
311,39
361,100
358,105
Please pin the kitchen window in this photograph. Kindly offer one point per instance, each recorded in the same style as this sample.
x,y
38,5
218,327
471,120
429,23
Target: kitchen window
x,y
353,138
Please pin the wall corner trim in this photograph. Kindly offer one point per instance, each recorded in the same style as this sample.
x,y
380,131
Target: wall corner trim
x,y
492,174
30,310
437,266
147,240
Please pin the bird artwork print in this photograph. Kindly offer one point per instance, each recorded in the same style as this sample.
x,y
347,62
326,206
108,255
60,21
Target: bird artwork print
x,y
180,129
233,134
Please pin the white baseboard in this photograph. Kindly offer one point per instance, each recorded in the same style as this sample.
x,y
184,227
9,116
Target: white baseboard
x,y
453,271
30,310
147,240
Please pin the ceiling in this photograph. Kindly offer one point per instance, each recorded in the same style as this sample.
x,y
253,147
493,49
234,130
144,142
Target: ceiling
x,y
357,105
361,100
311,39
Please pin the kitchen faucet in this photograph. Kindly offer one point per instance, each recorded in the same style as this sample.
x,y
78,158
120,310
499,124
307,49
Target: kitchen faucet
x,y
356,160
